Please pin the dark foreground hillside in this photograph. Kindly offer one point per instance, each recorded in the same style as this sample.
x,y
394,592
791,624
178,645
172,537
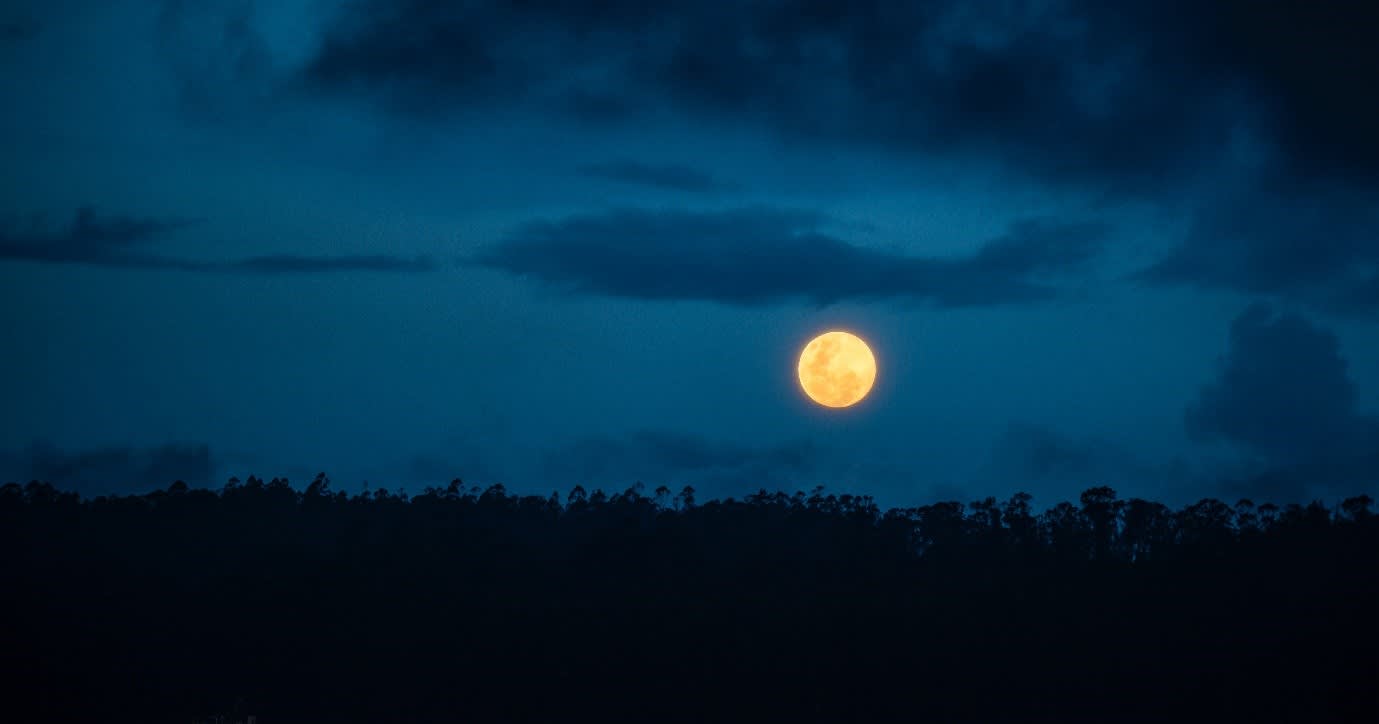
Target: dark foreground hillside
x,y
461,605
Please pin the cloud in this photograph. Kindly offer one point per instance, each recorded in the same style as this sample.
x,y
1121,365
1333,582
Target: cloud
x,y
117,242
1284,394
295,264
112,470
757,256
17,30
1312,66
1283,390
217,57
1142,99
1080,90
1314,245
668,177
93,240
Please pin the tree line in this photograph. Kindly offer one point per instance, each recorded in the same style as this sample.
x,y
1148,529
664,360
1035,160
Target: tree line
x,y
476,603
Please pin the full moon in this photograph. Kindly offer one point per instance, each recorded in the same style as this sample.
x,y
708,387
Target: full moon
x,y
837,369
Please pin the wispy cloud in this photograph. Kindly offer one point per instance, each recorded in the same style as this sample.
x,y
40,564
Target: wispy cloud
x,y
297,264
1318,245
119,241
759,256
669,177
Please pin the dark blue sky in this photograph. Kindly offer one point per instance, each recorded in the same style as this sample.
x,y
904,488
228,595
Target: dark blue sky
x,y
546,243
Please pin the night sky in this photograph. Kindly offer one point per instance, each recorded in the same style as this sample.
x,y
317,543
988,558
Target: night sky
x,y
546,242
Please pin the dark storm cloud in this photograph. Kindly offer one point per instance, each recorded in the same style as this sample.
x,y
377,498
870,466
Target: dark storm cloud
x,y
670,177
910,76
111,470
1104,92
1315,67
1284,393
115,241
759,256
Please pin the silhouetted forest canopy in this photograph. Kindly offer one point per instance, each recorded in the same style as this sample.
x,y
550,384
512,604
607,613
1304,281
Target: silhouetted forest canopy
x,y
462,604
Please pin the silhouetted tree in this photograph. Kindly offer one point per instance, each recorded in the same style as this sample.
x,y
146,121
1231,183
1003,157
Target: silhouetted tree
x,y
1020,522
1246,520
1357,509
1148,529
1067,531
1101,511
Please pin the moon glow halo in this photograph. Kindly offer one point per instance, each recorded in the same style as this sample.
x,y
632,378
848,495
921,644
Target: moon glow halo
x,y
837,369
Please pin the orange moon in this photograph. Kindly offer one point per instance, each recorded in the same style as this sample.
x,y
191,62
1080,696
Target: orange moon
x,y
837,369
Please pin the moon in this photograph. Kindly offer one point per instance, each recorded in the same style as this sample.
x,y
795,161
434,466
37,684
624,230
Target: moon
x,y
837,369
